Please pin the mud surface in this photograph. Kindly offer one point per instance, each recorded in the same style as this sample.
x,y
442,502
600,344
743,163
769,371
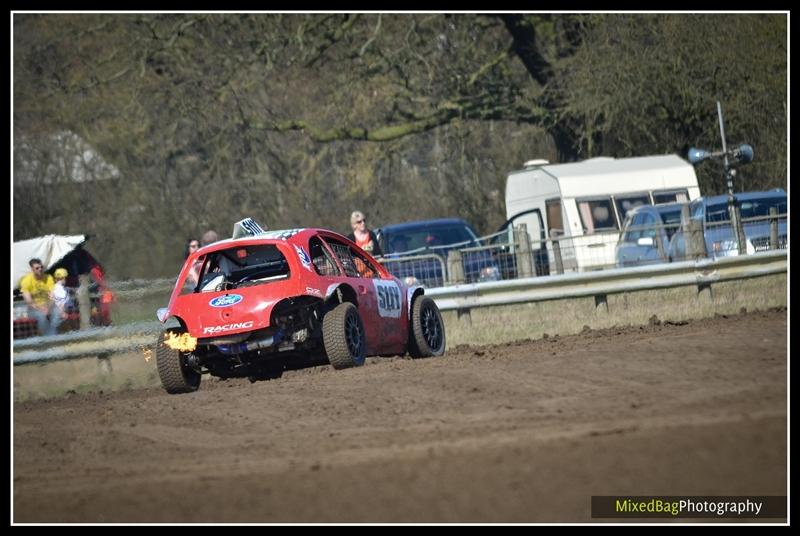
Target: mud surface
x,y
523,432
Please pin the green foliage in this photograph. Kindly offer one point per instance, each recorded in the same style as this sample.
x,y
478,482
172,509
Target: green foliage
x,y
648,84
297,120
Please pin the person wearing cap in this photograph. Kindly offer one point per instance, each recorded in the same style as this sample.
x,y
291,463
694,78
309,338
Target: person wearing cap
x,y
61,299
363,237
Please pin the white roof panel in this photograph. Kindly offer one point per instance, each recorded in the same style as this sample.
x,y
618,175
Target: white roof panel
x,y
49,249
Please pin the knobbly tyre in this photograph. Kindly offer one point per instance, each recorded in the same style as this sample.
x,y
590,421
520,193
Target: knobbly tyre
x,y
269,300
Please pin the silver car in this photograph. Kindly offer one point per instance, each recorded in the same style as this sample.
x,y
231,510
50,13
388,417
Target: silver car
x,y
646,234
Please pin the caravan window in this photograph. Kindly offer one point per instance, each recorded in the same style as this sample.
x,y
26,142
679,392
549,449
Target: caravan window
x,y
597,215
554,220
670,196
626,203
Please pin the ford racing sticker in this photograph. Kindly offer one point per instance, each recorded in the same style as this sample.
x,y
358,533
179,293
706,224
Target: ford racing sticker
x,y
227,327
389,301
225,301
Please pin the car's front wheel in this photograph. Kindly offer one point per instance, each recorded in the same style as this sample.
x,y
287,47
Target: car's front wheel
x,y
426,332
344,337
176,376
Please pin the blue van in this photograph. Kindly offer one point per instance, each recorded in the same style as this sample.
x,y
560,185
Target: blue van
x,y
720,240
430,241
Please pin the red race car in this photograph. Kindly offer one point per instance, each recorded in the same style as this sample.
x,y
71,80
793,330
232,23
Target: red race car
x,y
263,301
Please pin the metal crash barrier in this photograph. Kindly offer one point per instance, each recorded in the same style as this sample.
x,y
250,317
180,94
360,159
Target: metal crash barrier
x,y
702,273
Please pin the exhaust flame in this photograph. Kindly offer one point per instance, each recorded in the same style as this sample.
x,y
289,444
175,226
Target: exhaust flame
x,y
183,342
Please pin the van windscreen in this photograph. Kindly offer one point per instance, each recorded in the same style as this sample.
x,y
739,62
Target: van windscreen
x,y
751,208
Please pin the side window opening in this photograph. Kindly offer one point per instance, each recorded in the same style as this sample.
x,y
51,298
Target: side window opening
x,y
672,222
354,265
628,202
717,213
634,228
670,196
759,208
364,267
342,253
697,210
597,215
554,220
321,259
649,227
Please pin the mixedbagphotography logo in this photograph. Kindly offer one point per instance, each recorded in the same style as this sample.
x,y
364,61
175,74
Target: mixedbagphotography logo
x,y
677,506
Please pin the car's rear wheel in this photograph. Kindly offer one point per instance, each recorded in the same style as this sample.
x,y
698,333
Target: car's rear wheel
x,y
344,337
176,376
426,333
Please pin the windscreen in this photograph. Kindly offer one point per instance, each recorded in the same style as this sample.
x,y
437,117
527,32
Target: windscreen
x,y
416,238
671,219
751,208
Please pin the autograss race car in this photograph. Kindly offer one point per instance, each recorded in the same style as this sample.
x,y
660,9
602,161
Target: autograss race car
x,y
261,301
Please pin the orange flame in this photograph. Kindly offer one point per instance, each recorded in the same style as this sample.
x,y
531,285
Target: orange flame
x,y
183,342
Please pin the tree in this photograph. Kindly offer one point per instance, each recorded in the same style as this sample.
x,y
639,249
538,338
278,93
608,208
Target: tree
x,y
648,84
298,119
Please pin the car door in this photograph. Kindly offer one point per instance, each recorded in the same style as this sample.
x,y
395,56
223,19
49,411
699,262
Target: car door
x,y
390,312
628,247
506,259
355,275
647,245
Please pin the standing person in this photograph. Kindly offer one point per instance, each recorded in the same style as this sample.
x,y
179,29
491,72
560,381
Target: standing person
x,y
193,245
60,294
36,288
362,236
209,237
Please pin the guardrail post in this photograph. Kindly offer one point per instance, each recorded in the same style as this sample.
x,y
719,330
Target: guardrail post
x,y
773,228
739,230
705,295
455,268
523,252
600,303
693,235
84,304
464,316
104,367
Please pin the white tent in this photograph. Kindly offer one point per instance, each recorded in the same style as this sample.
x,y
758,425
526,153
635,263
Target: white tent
x,y
50,249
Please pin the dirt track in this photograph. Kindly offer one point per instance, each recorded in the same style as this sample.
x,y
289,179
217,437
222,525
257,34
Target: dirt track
x,y
524,432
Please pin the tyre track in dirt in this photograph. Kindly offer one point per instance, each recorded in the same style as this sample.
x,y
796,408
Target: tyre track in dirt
x,y
521,432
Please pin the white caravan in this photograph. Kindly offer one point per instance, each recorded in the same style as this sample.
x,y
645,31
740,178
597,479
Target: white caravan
x,y
583,204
